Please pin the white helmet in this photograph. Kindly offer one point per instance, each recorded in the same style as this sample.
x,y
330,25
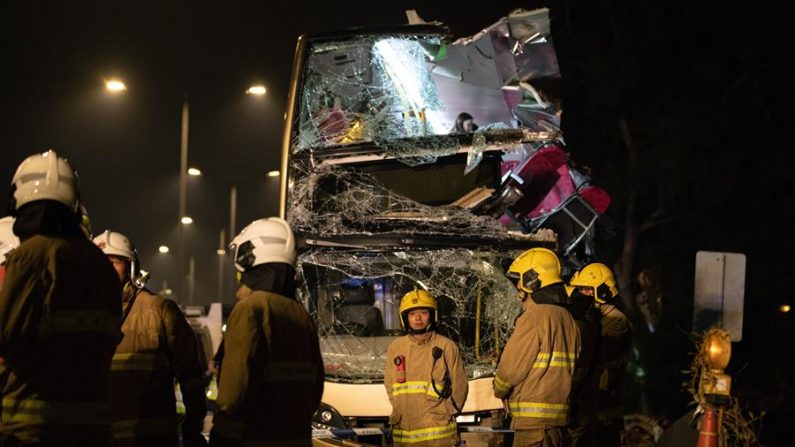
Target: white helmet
x,y
44,176
113,243
8,240
264,241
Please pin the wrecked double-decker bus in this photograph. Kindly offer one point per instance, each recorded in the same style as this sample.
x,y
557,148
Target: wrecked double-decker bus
x,y
413,160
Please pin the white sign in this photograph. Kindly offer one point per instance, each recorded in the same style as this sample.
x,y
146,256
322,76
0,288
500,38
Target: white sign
x,y
719,292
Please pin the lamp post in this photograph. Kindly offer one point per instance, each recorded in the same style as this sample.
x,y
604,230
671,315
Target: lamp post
x,y
186,280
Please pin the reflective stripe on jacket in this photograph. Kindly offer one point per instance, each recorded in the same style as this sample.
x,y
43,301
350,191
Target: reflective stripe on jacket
x,y
419,415
158,347
271,373
536,367
59,325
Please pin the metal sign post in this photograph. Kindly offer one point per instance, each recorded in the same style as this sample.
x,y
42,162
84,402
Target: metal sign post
x,y
719,292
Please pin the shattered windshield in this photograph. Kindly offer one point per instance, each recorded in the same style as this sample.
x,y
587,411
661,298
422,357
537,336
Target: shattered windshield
x,y
417,94
355,298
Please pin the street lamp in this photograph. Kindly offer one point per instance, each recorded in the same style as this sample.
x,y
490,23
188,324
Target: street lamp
x,y
273,173
115,86
256,90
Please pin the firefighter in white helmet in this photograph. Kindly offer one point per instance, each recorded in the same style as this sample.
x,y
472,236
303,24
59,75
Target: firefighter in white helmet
x,y
8,242
424,378
535,372
157,348
59,315
596,280
271,374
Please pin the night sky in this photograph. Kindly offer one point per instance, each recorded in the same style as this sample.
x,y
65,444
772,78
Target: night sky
x,y
706,92
126,147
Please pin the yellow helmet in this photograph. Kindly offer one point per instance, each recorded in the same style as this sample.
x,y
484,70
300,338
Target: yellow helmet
x,y
535,268
416,299
598,277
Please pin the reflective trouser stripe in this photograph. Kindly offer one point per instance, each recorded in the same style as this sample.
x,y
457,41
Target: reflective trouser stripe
x,y
144,427
539,410
36,411
290,372
414,387
556,359
424,434
136,361
81,321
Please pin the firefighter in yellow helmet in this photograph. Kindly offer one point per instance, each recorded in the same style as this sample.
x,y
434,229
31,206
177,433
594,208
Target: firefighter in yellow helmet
x,y
271,370
424,378
615,343
158,347
582,417
534,375
59,315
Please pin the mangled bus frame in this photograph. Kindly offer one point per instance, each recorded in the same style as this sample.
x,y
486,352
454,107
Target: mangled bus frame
x,y
381,188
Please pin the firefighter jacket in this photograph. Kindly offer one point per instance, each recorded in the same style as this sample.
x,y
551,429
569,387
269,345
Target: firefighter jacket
x,y
611,361
271,373
425,393
59,325
536,367
158,347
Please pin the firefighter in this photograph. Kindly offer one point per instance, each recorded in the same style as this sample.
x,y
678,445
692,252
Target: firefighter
x,y
597,280
8,242
59,315
585,385
158,346
271,370
534,375
424,378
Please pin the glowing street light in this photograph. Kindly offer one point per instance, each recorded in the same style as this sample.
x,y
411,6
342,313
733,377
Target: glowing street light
x,y
785,308
115,86
186,220
163,249
273,173
195,172
257,90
